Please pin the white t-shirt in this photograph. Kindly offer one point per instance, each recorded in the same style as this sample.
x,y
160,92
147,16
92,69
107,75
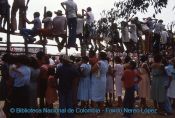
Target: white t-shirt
x,y
133,33
90,18
59,25
164,37
51,61
71,8
80,23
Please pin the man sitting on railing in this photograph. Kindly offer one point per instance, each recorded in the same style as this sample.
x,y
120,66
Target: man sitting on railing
x,y
59,29
29,34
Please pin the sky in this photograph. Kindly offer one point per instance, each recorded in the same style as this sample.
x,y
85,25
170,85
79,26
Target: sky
x,y
168,15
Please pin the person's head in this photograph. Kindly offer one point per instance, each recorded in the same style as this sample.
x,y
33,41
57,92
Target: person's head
x,y
157,58
85,59
6,57
36,14
89,9
127,59
59,13
22,60
132,64
136,19
160,21
40,55
66,59
118,60
132,21
149,19
102,56
49,14
143,58
33,63
92,53
123,24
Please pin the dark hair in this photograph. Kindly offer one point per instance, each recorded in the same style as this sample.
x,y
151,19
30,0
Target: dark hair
x,y
22,59
6,57
160,21
89,9
12,59
127,59
133,64
40,55
49,14
36,14
72,58
33,63
157,58
103,55
92,53
85,59
143,58
118,59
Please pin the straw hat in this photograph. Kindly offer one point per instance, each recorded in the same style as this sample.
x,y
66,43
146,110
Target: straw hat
x,y
59,12
66,58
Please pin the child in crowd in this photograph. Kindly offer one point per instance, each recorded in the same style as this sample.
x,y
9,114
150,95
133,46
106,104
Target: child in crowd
x,y
118,71
109,84
51,94
128,79
84,83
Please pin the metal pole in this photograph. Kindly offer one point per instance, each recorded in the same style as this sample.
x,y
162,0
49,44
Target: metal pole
x,y
8,31
44,45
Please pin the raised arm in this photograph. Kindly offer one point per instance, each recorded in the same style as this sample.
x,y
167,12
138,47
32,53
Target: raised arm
x,y
63,5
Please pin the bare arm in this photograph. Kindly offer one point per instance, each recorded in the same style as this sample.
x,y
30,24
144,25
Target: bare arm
x,y
62,4
29,22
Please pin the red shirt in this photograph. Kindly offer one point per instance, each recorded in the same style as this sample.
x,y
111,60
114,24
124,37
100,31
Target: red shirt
x,y
129,78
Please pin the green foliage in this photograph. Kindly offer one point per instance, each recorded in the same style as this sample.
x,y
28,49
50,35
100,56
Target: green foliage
x,y
128,7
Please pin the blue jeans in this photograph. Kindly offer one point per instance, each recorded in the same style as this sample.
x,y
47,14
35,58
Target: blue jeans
x,y
72,25
28,33
65,102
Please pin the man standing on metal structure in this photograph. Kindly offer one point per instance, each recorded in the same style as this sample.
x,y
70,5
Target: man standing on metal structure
x,y
18,4
4,13
70,8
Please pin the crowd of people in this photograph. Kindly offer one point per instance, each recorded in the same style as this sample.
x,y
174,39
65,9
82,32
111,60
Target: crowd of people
x,y
147,36
92,81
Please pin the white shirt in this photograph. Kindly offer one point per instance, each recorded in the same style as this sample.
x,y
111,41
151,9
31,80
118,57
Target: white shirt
x,y
133,33
80,23
164,37
71,8
90,18
51,61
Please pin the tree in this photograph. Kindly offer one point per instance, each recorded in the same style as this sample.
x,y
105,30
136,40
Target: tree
x,y
128,7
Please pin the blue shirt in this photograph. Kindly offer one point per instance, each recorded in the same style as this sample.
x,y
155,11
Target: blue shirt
x,y
21,76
